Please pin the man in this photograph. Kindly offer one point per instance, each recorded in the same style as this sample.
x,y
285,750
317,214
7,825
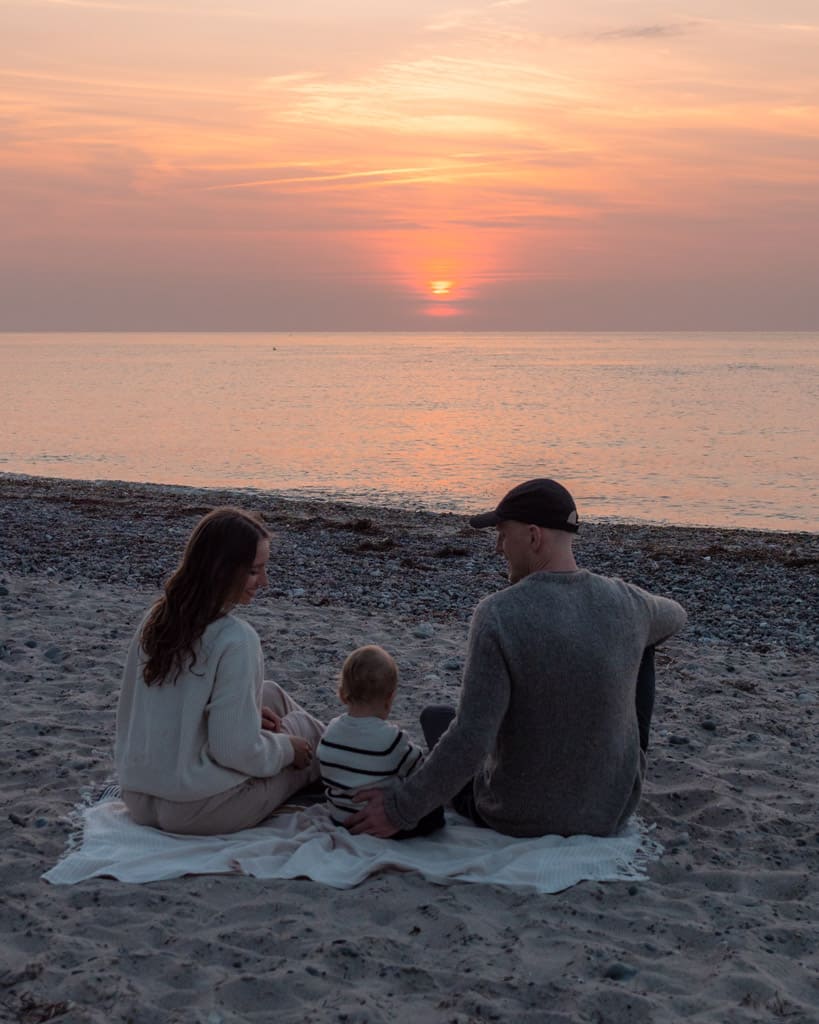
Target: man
x,y
551,732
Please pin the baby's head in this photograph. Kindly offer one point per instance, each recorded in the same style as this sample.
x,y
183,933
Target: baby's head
x,y
369,677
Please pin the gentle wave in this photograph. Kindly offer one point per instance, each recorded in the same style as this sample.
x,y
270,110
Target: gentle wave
x,y
691,429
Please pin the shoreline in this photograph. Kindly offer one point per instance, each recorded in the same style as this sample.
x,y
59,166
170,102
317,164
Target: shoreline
x,y
86,486
725,928
753,588
316,497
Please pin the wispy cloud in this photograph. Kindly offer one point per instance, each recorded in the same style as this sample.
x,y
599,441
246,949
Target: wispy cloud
x,y
391,176
112,5
151,9
451,20
437,95
648,31
808,29
108,83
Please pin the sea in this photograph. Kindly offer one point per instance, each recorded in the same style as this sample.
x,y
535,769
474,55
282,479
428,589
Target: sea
x,y
707,429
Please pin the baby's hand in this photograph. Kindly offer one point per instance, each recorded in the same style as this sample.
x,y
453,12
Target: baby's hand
x,y
302,752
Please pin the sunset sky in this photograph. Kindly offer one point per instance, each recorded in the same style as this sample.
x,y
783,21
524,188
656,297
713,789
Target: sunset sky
x,y
375,164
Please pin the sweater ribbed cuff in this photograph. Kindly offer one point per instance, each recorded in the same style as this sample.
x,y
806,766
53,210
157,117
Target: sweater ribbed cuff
x,y
391,808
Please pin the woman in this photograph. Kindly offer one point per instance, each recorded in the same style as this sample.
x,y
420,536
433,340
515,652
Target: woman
x,y
204,745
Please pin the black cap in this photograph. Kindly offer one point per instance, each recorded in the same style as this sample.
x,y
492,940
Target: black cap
x,y
540,502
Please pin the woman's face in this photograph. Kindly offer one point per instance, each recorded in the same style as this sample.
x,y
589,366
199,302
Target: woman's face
x,y
257,575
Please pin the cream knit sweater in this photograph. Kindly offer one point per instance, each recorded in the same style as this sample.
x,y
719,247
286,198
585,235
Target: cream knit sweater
x,y
201,735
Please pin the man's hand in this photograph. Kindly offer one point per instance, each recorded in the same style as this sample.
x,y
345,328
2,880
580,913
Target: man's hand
x,y
372,820
270,720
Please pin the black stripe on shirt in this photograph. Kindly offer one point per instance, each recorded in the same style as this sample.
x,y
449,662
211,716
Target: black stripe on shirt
x,y
362,750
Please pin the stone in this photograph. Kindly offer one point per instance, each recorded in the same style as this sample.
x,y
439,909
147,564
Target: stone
x,y
619,972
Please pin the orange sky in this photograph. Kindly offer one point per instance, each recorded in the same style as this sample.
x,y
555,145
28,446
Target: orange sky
x,y
255,164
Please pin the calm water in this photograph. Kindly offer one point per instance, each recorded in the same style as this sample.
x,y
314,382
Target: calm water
x,y
683,428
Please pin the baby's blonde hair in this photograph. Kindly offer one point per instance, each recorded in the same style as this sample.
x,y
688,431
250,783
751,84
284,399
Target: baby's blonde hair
x,y
368,674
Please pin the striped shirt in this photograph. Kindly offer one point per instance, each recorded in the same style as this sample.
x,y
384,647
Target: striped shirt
x,y
358,753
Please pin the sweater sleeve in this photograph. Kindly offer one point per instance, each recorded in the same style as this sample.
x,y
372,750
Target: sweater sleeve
x,y
460,752
411,756
666,617
235,737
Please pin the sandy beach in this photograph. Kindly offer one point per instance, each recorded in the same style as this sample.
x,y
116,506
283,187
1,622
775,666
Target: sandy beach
x,y
725,929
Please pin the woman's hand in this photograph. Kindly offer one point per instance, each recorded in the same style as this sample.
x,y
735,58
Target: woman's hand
x,y
302,752
271,721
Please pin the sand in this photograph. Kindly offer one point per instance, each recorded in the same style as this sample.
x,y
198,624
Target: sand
x,y
724,930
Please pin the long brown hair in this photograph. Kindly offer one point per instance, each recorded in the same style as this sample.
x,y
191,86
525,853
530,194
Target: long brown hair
x,y
221,549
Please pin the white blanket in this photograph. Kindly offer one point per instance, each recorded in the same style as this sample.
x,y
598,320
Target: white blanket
x,y
304,843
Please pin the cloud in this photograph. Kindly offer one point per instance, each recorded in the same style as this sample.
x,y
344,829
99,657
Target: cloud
x,y
389,176
517,223
452,20
437,95
647,31
476,19
146,9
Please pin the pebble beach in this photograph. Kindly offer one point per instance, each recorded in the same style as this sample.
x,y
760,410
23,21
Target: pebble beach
x,y
725,928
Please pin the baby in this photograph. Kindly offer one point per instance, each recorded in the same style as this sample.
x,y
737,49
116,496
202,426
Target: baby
x,y
361,749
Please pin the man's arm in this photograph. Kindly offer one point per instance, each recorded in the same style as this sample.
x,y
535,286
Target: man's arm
x,y
461,751
667,618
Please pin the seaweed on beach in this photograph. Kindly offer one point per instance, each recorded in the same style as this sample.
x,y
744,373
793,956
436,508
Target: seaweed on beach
x,y
752,588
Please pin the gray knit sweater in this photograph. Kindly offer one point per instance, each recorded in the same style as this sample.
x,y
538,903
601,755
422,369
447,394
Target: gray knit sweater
x,y
546,724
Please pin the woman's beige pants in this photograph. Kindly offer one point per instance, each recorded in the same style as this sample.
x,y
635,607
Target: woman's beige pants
x,y
246,804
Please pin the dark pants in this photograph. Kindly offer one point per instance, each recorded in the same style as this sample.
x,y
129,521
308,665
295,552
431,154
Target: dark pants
x,y
426,826
644,698
435,719
429,823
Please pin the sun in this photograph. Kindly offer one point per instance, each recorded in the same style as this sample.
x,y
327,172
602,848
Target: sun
x,y
441,289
